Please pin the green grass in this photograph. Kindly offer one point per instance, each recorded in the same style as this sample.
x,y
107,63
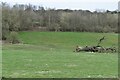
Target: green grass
x,y
50,55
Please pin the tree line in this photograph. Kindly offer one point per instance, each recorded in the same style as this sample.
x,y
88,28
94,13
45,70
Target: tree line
x,y
20,17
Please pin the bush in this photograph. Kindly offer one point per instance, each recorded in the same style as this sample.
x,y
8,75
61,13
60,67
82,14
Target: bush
x,y
13,37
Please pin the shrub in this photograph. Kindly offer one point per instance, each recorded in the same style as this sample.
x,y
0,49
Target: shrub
x,y
13,37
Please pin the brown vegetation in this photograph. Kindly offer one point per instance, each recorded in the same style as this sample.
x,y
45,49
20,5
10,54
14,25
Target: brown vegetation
x,y
30,17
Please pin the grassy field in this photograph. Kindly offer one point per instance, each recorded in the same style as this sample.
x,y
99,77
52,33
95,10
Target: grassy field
x,y
50,55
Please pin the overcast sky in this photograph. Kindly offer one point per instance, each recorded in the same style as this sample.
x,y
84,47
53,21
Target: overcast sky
x,y
71,4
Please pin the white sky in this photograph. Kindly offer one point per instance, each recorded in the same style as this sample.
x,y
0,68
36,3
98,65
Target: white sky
x,y
71,4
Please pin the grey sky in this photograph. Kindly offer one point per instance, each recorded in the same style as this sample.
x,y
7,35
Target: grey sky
x,y
71,4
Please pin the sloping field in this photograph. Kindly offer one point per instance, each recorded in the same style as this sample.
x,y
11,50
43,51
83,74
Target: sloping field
x,y
50,55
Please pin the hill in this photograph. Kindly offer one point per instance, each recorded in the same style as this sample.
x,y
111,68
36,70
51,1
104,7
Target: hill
x,y
50,54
